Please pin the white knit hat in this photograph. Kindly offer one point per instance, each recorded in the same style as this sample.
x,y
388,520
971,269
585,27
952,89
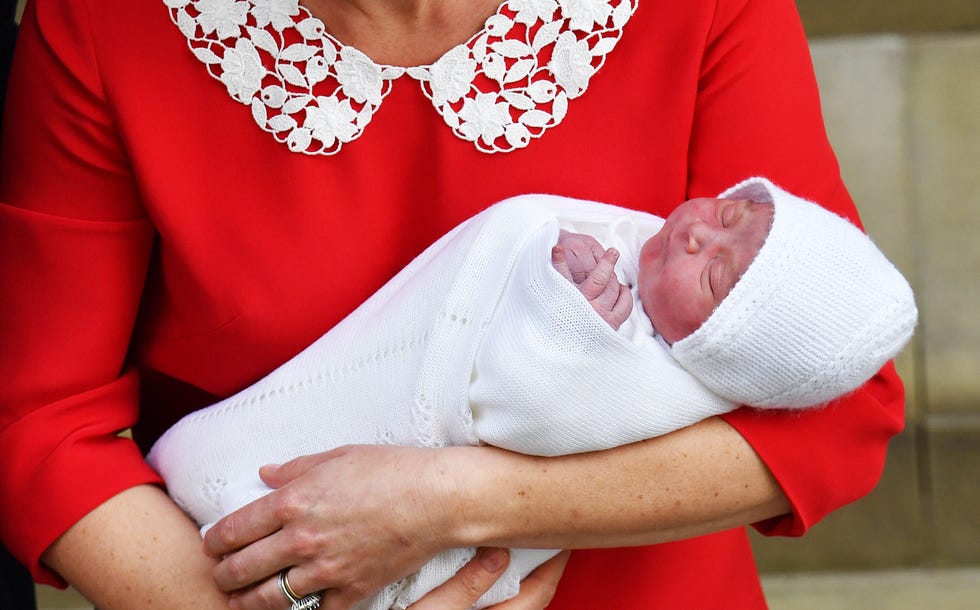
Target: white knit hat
x,y
817,313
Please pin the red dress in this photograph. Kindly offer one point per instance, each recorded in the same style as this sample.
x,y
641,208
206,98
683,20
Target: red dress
x,y
150,230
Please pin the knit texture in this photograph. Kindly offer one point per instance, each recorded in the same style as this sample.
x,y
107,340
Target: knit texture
x,y
551,377
478,340
817,313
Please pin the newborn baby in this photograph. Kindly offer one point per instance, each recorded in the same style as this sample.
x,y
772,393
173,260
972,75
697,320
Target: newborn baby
x,y
685,270
757,297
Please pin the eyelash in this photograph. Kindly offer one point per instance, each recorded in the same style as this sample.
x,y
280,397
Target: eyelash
x,y
721,215
710,271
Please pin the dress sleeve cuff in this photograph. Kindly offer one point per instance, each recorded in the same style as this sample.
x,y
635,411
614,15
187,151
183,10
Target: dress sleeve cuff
x,y
70,460
825,457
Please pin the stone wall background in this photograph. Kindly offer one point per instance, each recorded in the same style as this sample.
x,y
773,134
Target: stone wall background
x,y
836,17
902,109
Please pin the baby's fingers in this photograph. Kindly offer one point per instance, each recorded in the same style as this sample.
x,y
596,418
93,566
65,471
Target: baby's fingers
x,y
621,309
560,262
602,281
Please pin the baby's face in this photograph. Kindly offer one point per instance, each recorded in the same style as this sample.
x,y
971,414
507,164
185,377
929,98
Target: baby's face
x,y
694,261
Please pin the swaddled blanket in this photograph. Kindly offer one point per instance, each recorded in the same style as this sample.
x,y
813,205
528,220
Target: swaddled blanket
x,y
477,340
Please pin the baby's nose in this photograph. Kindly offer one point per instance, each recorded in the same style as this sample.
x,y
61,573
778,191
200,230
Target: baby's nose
x,y
698,233
692,245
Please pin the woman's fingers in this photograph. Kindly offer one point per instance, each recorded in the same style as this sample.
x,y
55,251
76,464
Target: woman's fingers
x,y
265,596
254,541
253,522
266,515
539,587
458,593
348,521
277,475
469,584
254,563
269,596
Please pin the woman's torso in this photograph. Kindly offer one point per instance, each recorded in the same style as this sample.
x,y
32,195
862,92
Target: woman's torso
x,y
259,249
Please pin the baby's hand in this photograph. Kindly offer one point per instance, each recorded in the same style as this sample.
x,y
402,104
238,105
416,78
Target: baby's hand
x,y
601,287
582,254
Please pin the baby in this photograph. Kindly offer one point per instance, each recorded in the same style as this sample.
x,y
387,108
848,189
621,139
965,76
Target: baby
x,y
751,287
757,298
685,270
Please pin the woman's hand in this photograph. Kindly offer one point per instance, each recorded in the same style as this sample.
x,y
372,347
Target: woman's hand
x,y
357,518
330,519
476,577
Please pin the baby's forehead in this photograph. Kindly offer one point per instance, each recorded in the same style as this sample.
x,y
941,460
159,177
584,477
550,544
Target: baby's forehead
x,y
760,216
768,209
703,201
760,224
719,201
753,236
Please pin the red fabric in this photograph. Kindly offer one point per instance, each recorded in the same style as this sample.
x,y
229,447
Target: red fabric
x,y
113,128
710,572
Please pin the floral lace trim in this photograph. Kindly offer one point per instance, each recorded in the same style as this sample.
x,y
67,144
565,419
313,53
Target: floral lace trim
x,y
508,84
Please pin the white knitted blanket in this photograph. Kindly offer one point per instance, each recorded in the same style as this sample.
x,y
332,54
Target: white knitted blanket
x,y
477,340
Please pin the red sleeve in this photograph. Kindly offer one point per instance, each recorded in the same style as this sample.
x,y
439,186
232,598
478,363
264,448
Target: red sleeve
x,y
758,113
74,247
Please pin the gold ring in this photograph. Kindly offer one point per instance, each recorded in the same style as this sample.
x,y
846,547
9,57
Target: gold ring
x,y
286,589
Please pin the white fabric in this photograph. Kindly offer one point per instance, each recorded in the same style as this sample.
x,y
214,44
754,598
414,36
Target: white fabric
x,y
817,313
508,84
478,340
544,369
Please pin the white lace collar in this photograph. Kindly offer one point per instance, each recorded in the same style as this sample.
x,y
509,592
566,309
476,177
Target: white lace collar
x,y
509,83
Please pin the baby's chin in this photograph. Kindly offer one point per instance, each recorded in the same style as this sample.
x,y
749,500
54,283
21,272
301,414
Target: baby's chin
x,y
674,330
658,331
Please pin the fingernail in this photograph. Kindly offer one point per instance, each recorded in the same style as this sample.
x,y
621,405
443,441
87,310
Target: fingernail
x,y
268,470
493,560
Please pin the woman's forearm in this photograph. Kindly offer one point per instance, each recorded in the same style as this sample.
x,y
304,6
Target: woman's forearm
x,y
358,517
137,550
699,480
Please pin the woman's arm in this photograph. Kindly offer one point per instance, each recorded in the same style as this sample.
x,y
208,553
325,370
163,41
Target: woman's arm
x,y
76,498
698,480
758,113
137,550
405,504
